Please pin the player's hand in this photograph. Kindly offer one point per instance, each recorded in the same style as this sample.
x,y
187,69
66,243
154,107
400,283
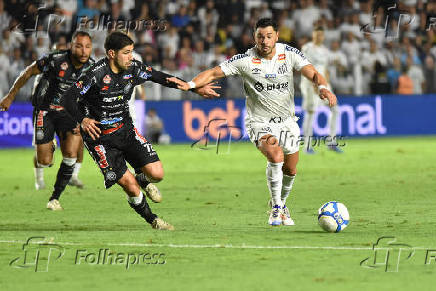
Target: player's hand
x,y
76,130
328,95
208,91
182,85
90,127
5,103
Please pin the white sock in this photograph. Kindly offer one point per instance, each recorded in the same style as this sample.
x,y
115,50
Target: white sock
x,y
274,177
39,174
76,169
288,181
135,200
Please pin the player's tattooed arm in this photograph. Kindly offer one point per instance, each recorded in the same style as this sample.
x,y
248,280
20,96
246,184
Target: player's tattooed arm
x,y
21,80
320,83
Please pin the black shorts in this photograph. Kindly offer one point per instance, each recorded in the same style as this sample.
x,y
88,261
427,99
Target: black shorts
x,y
111,152
47,122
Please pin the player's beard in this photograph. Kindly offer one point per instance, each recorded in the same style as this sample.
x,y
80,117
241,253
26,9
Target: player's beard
x,y
120,66
79,59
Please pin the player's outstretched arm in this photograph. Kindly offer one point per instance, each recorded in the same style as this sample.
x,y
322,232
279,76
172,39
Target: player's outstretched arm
x,y
201,79
319,81
21,80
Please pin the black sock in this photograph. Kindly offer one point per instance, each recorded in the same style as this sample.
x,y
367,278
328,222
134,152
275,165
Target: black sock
x,y
142,181
63,177
144,210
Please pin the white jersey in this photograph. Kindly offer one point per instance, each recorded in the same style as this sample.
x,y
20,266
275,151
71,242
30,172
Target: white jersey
x,y
318,55
268,84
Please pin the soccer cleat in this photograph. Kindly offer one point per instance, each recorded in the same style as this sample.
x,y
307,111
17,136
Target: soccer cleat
x,y
74,181
335,148
275,217
39,185
161,224
310,151
286,216
54,205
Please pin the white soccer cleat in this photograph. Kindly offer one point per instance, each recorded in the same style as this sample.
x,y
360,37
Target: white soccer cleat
x,y
153,193
161,224
54,205
74,181
275,217
286,216
39,185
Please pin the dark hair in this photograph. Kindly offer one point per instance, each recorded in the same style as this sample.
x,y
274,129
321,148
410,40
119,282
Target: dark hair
x,y
80,33
116,40
265,22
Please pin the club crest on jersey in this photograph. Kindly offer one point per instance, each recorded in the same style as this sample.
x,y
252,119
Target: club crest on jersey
x,y
282,69
270,76
256,61
148,68
127,77
79,84
107,79
61,74
256,71
64,66
281,57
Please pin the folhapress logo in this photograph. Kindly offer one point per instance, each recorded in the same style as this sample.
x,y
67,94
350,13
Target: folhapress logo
x,y
38,255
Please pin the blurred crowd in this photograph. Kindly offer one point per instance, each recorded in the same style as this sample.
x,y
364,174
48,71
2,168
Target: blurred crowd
x,y
386,46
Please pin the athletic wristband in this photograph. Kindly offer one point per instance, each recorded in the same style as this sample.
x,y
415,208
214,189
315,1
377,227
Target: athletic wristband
x,y
322,87
191,85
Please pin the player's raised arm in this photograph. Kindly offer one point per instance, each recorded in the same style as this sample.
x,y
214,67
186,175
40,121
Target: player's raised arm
x,y
21,80
320,82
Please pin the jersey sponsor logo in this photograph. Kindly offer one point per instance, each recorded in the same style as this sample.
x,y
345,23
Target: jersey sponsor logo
x,y
258,86
256,71
107,79
64,66
237,57
296,51
127,77
282,69
105,88
85,89
40,119
269,87
101,152
276,119
112,99
111,121
144,75
256,61
270,76
61,74
281,57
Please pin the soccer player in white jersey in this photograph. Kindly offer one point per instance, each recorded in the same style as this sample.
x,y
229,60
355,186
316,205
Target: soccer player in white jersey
x,y
267,72
318,55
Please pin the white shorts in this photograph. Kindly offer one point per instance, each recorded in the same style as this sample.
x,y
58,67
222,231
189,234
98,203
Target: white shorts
x,y
286,131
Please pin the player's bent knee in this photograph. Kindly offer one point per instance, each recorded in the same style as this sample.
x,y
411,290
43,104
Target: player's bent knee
x,y
289,171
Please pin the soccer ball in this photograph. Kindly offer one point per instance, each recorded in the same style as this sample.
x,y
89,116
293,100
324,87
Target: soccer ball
x,y
333,216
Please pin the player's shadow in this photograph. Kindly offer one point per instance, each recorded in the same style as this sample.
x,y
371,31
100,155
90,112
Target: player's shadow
x,y
310,231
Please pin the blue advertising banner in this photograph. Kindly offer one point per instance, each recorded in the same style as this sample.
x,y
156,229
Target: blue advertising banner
x,y
187,121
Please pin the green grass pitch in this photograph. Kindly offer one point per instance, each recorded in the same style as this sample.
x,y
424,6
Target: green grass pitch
x,y
218,204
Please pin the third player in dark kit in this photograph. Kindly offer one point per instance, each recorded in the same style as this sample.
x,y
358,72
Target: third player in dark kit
x,y
108,132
